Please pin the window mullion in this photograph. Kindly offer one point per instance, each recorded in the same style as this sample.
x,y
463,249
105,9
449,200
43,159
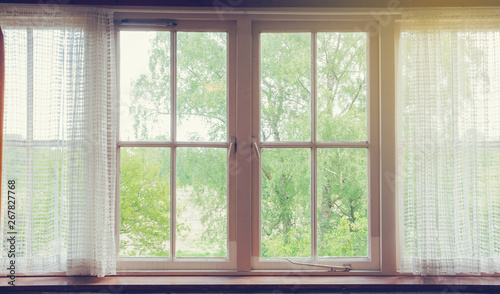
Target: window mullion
x,y
313,87
387,159
314,216
232,166
244,155
30,86
118,148
29,124
173,158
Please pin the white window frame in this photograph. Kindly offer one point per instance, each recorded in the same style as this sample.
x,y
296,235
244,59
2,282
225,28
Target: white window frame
x,y
173,262
244,166
372,261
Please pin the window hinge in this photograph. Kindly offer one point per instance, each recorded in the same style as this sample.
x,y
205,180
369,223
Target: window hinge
x,y
344,268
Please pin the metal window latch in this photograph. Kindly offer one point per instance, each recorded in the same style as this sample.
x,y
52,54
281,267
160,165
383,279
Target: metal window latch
x,y
344,268
256,145
231,144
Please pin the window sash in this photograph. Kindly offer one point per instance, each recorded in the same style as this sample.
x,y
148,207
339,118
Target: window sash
x,y
186,263
372,262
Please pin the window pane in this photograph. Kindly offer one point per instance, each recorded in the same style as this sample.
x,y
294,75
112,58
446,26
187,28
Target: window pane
x,y
55,69
145,202
341,74
201,202
144,86
286,203
285,86
46,198
16,85
201,86
342,202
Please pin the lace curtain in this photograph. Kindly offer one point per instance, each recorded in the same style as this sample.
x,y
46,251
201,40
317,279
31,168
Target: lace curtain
x,y
59,139
448,136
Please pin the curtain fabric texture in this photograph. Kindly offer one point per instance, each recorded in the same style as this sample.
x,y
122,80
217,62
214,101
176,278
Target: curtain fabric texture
x,y
2,84
448,141
59,139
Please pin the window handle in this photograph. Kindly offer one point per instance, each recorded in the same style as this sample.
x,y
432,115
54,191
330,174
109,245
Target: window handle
x,y
257,149
233,143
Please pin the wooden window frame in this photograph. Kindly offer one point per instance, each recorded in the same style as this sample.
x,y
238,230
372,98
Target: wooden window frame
x,y
372,261
186,263
246,164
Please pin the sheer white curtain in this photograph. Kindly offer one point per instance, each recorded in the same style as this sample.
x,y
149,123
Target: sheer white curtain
x,y
448,130
59,139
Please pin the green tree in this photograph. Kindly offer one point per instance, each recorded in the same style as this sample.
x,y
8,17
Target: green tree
x,y
201,172
342,182
285,116
145,202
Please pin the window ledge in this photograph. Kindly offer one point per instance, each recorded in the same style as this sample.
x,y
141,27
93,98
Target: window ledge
x,y
252,283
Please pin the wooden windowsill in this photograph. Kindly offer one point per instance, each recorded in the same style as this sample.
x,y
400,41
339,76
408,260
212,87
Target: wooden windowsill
x,y
251,283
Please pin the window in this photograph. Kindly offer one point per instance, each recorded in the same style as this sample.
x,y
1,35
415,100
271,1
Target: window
x,y
177,136
311,138
315,144
252,142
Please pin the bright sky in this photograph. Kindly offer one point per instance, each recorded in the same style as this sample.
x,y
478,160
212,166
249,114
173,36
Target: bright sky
x,y
134,61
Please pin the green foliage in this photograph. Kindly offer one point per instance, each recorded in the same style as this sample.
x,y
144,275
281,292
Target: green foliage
x,y
201,172
342,87
286,203
201,81
151,92
286,172
342,202
145,202
345,238
285,87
